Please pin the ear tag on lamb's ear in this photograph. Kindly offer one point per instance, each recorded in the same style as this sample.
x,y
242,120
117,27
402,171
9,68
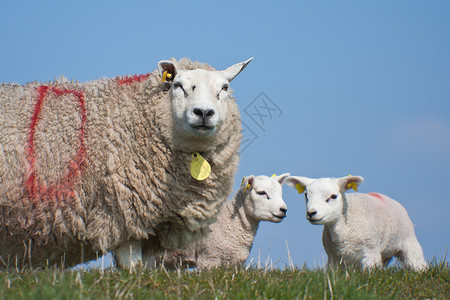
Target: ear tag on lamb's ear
x,y
166,75
274,175
300,188
352,185
200,168
242,184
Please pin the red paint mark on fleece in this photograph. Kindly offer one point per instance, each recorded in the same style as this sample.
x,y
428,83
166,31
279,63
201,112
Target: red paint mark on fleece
x,y
62,187
133,79
376,195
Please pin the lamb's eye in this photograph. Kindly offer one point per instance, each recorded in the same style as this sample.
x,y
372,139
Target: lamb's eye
x,y
306,197
225,87
262,193
334,196
193,87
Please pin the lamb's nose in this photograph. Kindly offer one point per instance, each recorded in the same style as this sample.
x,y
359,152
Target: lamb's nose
x,y
283,210
204,113
311,213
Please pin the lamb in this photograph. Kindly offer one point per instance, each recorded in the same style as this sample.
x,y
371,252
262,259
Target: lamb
x,y
258,199
360,230
120,164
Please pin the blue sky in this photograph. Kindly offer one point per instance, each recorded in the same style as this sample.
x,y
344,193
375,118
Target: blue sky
x,y
361,87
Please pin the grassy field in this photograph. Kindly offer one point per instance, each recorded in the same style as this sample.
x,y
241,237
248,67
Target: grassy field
x,y
237,283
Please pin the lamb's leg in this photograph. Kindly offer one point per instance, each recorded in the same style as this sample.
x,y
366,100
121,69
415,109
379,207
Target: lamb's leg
x,y
412,255
371,260
129,254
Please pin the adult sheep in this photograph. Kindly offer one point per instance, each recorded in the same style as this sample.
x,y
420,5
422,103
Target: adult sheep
x,y
108,164
361,230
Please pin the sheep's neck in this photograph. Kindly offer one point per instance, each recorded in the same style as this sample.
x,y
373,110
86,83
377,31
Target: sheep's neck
x,y
338,229
237,225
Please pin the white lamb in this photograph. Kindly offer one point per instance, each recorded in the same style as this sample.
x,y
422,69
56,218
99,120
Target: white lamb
x,y
258,199
361,230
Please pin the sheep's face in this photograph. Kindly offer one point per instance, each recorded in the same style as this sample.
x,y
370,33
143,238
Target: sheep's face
x,y
324,201
200,100
324,197
265,202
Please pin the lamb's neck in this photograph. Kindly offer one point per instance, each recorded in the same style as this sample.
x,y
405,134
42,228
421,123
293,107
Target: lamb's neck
x,y
338,229
237,223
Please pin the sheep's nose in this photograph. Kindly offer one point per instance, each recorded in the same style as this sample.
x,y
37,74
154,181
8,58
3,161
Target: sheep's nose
x,y
204,113
283,210
311,213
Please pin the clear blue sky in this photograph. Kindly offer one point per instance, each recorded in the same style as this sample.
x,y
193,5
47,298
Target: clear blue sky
x,y
362,87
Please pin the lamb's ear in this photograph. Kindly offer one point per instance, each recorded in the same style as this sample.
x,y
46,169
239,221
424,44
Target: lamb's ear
x,y
281,178
167,70
247,182
233,71
298,183
349,182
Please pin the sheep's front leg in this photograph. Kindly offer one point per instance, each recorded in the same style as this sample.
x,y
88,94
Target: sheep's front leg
x,y
371,260
129,254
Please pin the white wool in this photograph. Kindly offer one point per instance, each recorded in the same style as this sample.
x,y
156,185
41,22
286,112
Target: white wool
x,y
258,199
362,230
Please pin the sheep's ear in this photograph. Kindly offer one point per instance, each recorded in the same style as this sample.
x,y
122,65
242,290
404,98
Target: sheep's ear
x,y
167,70
281,178
233,71
247,182
298,183
350,182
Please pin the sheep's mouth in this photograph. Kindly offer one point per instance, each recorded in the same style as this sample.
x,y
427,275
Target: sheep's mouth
x,y
314,221
279,217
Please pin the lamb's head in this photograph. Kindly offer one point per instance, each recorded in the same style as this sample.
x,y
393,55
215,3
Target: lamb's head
x,y
325,200
264,197
200,99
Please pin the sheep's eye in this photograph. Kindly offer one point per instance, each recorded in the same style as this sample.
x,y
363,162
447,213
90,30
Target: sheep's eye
x,y
262,193
225,87
193,87
306,197
177,85
334,196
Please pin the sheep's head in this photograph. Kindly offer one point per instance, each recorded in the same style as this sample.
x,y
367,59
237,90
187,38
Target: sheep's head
x,y
264,201
199,98
325,201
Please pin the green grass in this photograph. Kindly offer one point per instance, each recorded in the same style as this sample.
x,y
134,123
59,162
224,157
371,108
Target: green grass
x,y
237,283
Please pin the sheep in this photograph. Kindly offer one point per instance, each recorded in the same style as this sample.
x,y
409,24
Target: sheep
x,y
115,163
360,230
258,199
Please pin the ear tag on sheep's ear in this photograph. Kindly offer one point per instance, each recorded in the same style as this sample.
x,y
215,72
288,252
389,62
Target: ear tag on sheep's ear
x,y
242,184
200,168
300,188
274,175
166,75
352,185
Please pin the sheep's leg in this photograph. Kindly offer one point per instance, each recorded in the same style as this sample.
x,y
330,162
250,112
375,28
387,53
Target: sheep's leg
x,y
412,255
371,260
129,254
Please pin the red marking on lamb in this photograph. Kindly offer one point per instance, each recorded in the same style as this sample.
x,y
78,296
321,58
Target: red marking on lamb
x,y
376,195
63,187
133,79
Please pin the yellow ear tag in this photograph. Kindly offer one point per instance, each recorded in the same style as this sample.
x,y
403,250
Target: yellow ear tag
x,y
200,168
274,175
166,75
353,185
242,183
300,188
